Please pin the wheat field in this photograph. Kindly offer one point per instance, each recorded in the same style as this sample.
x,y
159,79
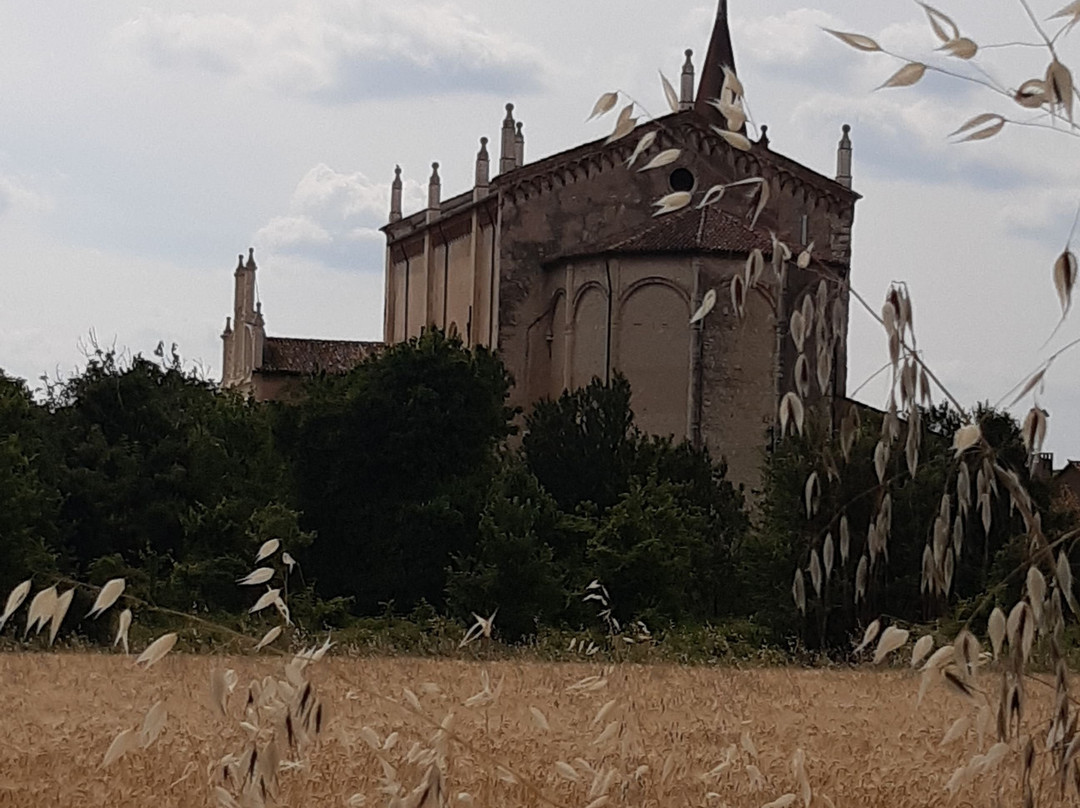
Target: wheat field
x,y
672,736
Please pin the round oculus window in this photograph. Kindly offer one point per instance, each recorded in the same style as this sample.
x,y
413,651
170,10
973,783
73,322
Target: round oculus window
x,y
681,180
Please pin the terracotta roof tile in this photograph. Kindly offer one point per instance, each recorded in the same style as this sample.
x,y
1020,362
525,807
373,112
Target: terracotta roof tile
x,y
310,356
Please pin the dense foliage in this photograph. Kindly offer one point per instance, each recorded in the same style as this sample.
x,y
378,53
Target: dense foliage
x,y
409,487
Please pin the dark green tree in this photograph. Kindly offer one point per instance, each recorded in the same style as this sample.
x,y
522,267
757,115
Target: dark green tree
x,y
513,567
850,491
392,463
28,503
582,445
662,522
162,473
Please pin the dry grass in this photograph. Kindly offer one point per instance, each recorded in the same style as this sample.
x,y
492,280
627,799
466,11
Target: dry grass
x,y
864,742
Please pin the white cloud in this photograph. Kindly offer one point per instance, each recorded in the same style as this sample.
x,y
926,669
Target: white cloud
x,y
328,192
306,298
285,232
332,214
786,39
340,50
18,197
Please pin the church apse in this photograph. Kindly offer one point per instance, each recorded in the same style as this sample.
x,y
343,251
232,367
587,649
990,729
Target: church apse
x,y
562,267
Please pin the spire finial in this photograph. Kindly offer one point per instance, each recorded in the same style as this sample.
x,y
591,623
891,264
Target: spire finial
x,y
239,262
719,56
251,258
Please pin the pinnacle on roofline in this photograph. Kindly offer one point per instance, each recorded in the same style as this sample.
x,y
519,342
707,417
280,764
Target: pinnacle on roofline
x,y
395,196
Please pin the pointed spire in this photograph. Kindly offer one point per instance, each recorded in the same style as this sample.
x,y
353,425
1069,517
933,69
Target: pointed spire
x,y
395,196
843,159
506,154
519,146
720,55
686,89
240,263
228,327
483,170
251,259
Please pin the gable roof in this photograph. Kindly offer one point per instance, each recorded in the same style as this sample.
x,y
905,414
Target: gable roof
x,y
311,356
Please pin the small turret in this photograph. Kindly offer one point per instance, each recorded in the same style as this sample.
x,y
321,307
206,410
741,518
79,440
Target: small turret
x,y
483,170
434,193
244,290
686,89
395,196
237,348
258,338
843,159
507,161
519,146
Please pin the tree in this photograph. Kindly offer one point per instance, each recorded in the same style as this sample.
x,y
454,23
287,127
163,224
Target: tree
x,y
28,504
849,498
662,521
581,446
162,473
391,463
513,567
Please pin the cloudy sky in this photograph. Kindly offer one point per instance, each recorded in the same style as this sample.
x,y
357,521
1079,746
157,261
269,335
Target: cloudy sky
x,y
143,146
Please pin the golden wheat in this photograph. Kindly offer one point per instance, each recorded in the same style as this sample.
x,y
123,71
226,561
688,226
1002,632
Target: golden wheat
x,y
671,735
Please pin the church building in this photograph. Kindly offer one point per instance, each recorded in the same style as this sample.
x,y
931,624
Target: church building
x,y
565,267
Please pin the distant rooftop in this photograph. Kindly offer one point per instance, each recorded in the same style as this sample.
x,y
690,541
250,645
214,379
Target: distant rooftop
x,y
311,356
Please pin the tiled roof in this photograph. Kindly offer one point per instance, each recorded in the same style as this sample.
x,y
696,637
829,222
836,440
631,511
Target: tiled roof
x,y
710,229
310,356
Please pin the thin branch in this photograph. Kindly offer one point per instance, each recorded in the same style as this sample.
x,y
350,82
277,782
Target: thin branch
x,y
870,378
1073,130
1043,367
989,84
1063,349
1013,45
1038,26
930,374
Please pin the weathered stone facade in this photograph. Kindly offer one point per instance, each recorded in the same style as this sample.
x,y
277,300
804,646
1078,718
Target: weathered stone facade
x,y
561,266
